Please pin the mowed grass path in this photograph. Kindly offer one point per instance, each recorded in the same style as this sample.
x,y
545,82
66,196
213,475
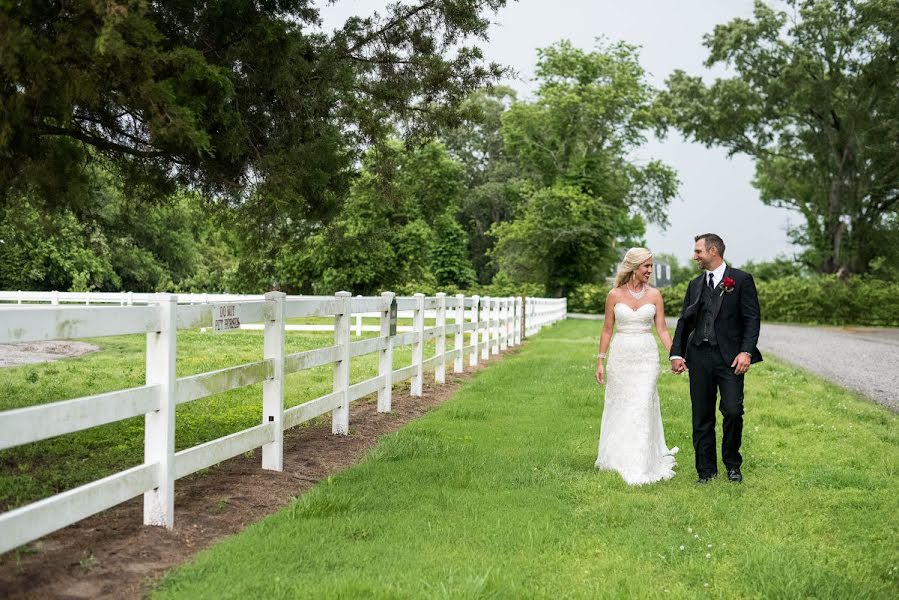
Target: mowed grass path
x,y
494,495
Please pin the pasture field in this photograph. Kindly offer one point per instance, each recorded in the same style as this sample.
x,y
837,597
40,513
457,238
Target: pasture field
x,y
41,469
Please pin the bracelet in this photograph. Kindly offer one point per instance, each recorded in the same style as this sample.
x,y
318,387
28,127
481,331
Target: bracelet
x,y
601,355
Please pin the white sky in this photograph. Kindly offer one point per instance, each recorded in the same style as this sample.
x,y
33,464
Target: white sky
x,y
715,193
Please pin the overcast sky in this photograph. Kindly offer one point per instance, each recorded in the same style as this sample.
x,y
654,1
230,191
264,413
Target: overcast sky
x,y
715,192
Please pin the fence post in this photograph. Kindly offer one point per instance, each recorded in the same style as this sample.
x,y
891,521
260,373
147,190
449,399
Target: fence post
x,y
473,336
519,319
340,416
507,321
159,425
418,346
385,360
458,342
54,297
359,321
484,317
273,389
494,345
440,340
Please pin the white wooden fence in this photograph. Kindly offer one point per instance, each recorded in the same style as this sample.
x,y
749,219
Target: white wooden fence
x,y
492,324
54,298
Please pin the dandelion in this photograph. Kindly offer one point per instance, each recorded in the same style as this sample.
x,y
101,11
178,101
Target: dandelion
x,y
689,530
705,585
709,546
682,547
708,555
696,535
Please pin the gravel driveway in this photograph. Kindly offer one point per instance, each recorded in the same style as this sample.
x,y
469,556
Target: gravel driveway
x,y
862,359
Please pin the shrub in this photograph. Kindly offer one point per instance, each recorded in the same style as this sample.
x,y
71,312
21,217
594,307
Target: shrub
x,y
819,300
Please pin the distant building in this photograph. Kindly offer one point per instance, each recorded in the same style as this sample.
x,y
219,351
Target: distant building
x,y
661,275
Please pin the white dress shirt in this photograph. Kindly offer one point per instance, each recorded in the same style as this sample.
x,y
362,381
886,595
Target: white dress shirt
x,y
718,275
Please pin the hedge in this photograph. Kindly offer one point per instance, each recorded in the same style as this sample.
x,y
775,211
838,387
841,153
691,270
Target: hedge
x,y
819,300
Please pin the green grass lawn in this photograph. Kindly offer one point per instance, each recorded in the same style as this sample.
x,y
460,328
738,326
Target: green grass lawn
x,y
41,469
494,494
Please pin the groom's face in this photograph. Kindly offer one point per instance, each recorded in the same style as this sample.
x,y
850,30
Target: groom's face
x,y
703,255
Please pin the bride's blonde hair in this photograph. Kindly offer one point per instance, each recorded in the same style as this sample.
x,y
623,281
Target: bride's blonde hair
x,y
633,259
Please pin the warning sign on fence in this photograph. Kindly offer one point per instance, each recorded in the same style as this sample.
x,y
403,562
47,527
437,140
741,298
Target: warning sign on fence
x,y
225,317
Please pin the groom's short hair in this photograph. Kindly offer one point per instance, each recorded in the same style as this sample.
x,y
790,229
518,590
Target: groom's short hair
x,y
712,241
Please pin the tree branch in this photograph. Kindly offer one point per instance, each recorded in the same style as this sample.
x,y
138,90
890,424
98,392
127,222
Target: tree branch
x,y
97,142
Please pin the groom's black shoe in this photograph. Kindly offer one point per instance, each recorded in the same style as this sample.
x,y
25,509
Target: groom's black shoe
x,y
735,475
706,478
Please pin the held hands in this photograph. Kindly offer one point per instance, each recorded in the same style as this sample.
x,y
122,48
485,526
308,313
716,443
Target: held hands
x,y
678,366
741,363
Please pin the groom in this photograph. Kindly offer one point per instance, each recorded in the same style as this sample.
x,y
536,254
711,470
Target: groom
x,y
716,335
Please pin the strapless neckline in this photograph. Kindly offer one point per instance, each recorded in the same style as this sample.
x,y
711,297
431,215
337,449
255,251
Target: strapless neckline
x,y
634,309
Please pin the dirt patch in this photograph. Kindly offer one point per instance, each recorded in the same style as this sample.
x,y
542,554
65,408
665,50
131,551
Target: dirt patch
x,y
27,353
112,555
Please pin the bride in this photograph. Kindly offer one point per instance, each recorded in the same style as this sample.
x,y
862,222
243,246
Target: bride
x,y
631,439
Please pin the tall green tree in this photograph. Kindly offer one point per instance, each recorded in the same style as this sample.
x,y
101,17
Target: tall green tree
x,y
249,100
813,101
398,229
574,145
493,181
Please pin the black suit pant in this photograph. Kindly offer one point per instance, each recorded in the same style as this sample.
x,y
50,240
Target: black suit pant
x,y
709,374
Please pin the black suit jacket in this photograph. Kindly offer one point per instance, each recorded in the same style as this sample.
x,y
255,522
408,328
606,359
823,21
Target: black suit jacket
x,y
737,323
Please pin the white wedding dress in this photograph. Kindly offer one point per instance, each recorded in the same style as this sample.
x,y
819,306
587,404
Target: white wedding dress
x,y
631,440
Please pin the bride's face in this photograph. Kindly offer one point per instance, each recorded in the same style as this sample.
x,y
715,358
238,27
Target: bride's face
x,y
643,272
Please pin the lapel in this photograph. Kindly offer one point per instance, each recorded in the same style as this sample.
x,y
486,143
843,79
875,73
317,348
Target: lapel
x,y
694,290
719,292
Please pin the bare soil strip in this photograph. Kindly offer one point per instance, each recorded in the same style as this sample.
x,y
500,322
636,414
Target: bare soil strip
x,y
112,555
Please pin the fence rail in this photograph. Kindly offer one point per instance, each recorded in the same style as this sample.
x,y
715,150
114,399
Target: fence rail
x,y
492,324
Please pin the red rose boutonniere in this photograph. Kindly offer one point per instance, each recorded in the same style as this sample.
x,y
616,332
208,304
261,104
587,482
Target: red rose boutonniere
x,y
727,285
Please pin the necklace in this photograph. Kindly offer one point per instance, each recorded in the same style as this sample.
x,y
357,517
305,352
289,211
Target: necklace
x,y
637,295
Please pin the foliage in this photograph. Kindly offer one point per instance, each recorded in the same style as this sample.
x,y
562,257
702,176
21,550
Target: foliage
x,y
396,230
450,263
494,494
228,95
828,300
777,268
817,300
559,239
573,145
589,298
813,102
493,181
673,297
112,245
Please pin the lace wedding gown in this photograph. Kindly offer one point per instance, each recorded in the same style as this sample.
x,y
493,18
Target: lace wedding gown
x,y
631,440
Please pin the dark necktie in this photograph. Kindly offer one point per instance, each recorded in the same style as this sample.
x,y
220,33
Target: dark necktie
x,y
711,281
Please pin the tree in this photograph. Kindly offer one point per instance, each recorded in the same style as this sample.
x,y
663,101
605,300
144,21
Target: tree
x,y
562,237
573,145
247,100
814,103
493,181
397,229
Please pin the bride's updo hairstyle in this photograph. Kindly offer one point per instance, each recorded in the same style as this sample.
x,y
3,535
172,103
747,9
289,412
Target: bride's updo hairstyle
x,y
633,259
